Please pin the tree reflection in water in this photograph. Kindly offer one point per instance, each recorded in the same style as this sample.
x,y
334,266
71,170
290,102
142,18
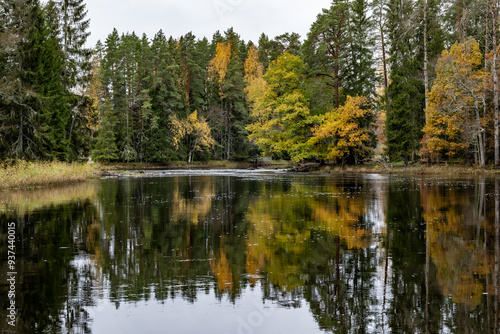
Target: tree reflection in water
x,y
365,254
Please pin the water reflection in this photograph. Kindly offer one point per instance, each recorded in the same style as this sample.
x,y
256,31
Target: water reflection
x,y
357,254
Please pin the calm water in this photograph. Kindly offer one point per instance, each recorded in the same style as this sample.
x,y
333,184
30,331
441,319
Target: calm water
x,y
254,252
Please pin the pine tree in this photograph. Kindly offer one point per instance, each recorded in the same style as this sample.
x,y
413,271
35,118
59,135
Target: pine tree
x,y
128,51
192,71
327,46
113,83
405,93
270,50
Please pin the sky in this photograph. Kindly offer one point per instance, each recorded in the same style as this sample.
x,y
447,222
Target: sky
x,y
249,18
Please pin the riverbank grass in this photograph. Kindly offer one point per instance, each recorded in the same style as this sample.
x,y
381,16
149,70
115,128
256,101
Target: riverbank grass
x,y
23,174
448,170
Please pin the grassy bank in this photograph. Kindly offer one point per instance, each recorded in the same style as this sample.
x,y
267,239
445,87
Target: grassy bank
x,y
24,174
40,174
417,169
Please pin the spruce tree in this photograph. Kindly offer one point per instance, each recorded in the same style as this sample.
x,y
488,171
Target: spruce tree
x,y
72,31
405,94
360,76
74,26
18,107
105,148
113,81
166,100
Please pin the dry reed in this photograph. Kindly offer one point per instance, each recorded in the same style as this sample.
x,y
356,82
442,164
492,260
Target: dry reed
x,y
25,174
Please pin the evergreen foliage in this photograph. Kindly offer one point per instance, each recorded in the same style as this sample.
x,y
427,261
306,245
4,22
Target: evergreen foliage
x,y
124,100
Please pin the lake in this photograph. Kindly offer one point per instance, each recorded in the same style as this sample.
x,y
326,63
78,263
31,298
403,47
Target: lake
x,y
262,251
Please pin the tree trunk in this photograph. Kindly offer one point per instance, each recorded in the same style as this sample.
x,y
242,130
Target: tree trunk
x,y
495,82
482,154
486,50
229,130
497,253
384,62
426,74
460,27
337,102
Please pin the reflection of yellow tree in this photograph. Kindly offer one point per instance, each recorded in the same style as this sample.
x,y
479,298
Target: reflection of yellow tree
x,y
220,268
456,255
282,223
341,219
196,208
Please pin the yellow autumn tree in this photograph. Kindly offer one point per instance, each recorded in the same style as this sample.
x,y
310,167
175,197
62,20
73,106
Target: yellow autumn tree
x,y
456,100
344,132
256,88
218,66
195,130
253,67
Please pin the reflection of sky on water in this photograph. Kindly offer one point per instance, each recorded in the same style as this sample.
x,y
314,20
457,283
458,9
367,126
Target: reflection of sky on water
x,y
207,315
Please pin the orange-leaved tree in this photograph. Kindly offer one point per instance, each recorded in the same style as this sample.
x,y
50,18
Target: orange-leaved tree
x,y
455,102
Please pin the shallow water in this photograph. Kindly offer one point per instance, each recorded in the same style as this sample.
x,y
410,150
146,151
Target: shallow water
x,y
262,251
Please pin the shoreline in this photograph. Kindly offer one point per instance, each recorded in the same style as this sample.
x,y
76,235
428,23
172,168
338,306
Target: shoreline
x,y
30,175
26,175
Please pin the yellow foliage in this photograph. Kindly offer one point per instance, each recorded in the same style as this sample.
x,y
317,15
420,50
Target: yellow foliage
x,y
196,129
220,268
194,209
280,238
218,66
459,258
455,99
341,130
280,112
253,67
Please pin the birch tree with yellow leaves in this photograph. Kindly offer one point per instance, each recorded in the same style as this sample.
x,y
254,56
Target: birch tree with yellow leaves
x,y
454,119
195,131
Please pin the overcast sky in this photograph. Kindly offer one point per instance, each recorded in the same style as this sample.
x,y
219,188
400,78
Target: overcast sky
x,y
203,18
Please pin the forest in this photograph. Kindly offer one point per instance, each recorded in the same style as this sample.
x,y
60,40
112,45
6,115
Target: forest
x,y
409,81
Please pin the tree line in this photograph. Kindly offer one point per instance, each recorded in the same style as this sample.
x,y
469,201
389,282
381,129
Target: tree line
x,y
418,78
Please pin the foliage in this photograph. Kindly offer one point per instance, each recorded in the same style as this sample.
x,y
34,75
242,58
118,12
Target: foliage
x,y
453,121
105,148
406,91
326,49
345,133
281,115
53,94
195,131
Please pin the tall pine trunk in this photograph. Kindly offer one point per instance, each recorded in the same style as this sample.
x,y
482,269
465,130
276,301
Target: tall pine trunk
x,y
481,153
495,81
486,50
426,61
384,61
